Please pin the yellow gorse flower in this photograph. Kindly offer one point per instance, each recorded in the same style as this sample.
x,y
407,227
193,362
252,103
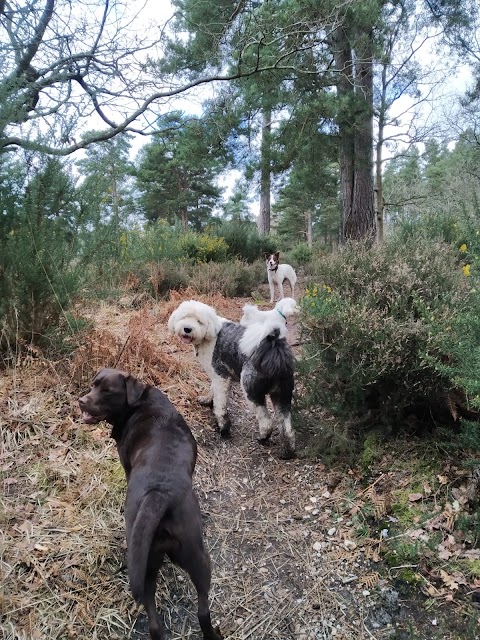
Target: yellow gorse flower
x,y
466,269
463,248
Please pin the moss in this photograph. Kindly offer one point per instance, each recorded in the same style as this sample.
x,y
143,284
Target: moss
x,y
402,508
372,450
402,552
409,577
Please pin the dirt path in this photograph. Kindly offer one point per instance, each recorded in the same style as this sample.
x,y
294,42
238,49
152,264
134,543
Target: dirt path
x,y
282,564
285,562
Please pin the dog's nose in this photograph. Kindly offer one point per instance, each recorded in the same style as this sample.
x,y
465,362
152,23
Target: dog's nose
x,y
187,329
81,402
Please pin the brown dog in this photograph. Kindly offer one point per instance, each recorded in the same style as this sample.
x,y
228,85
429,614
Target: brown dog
x,y
162,515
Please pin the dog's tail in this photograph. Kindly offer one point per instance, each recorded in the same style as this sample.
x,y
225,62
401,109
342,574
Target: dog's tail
x,y
256,332
151,511
273,357
265,344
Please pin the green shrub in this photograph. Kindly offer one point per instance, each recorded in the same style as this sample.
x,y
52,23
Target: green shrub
x,y
203,247
234,278
164,276
244,241
301,253
392,327
38,279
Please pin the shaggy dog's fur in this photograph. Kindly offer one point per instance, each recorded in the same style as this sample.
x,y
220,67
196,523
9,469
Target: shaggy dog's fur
x,y
283,310
158,452
277,273
258,356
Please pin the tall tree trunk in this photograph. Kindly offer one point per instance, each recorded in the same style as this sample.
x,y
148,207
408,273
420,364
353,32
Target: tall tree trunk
x,y
379,207
116,210
379,201
263,222
355,122
345,92
184,220
309,228
361,224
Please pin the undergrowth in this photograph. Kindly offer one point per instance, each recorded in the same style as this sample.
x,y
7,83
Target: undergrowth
x,y
391,339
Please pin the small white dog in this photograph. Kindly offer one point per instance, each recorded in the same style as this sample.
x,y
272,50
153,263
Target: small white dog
x,y
277,273
283,310
257,356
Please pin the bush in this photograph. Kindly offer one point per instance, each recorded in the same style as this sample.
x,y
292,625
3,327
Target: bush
x,y
235,278
203,247
301,254
244,241
390,330
37,281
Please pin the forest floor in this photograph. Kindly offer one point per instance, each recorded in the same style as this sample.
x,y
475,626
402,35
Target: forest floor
x,y
287,558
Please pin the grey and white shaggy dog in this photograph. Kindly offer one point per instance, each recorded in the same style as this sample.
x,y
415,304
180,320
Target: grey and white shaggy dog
x,y
258,356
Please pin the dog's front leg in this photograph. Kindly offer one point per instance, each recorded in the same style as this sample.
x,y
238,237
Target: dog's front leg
x,y
206,401
280,287
271,285
220,388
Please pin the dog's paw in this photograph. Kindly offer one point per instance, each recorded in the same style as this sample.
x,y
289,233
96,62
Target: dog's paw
x,y
225,430
205,401
265,441
286,453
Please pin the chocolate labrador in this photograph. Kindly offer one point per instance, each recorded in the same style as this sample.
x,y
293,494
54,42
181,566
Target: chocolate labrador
x,y
162,515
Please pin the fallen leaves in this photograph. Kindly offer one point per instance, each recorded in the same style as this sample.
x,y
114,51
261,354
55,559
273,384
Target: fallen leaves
x,y
414,497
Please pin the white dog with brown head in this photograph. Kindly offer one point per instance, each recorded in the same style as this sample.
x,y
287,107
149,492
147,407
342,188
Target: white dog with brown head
x,y
277,273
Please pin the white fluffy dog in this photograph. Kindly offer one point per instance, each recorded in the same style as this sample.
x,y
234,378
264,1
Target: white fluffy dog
x,y
283,310
258,356
277,273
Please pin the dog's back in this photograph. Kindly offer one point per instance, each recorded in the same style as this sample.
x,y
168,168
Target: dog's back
x,y
158,452
268,356
154,426
227,358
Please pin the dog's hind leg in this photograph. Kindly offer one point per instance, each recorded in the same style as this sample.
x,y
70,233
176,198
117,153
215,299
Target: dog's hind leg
x,y
220,389
292,287
192,556
280,288
257,404
265,426
154,621
282,406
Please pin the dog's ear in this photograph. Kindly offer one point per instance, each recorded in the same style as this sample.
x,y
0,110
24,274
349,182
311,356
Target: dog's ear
x,y
266,255
135,389
171,322
213,324
277,255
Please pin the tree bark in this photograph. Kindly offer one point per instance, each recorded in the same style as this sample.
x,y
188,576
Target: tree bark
x,y
345,94
355,122
309,229
379,206
263,222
